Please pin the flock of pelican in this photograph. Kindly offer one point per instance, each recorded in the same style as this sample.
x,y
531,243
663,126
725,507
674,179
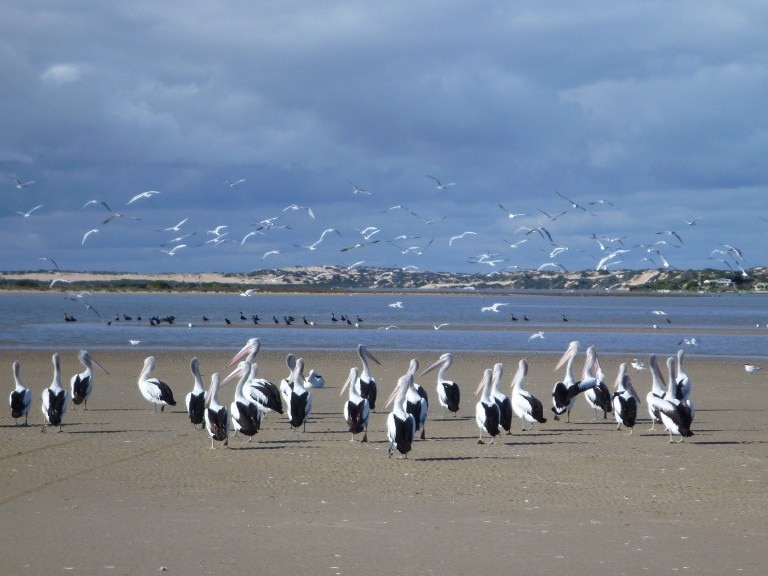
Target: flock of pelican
x,y
668,404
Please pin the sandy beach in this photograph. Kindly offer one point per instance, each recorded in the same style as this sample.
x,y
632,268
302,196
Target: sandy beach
x,y
123,490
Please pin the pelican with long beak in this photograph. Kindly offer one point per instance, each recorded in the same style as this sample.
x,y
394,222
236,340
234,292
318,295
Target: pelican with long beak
x,y
366,383
625,400
216,417
401,427
356,409
82,384
487,413
565,391
448,393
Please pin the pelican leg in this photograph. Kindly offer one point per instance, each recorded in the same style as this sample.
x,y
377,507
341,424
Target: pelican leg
x,y
422,433
365,436
630,432
480,441
389,451
212,446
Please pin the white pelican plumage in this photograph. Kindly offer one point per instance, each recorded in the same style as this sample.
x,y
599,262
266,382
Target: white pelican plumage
x,y
195,400
81,384
154,390
21,397
524,404
448,392
599,397
366,383
682,380
356,409
314,380
625,400
657,393
501,399
416,400
401,427
246,413
565,391
286,384
487,412
54,398
300,402
259,389
675,414
216,417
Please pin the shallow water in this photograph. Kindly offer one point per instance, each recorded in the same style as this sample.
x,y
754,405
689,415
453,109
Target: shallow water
x,y
728,325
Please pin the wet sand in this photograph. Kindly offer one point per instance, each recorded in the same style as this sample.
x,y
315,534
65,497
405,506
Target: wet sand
x,y
123,490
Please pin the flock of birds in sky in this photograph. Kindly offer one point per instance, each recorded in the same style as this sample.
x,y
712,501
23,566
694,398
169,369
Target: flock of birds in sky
x,y
668,404
537,228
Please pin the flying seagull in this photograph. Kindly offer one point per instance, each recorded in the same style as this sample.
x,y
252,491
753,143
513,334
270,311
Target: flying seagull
x,y
147,194
233,183
28,213
88,234
439,185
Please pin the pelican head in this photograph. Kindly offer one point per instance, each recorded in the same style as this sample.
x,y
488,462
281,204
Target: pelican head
x,y
251,347
570,354
444,361
350,379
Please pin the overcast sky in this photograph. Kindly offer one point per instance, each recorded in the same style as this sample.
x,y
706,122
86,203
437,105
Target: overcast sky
x,y
649,116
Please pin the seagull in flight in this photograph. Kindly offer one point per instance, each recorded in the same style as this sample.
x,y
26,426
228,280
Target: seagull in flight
x,y
438,326
397,304
176,227
511,215
96,201
51,260
550,217
233,183
118,215
269,253
460,236
357,190
573,204
672,233
306,209
28,213
173,250
88,234
536,336
552,265
57,280
439,185
494,307
693,221
22,185
543,232
147,194
313,246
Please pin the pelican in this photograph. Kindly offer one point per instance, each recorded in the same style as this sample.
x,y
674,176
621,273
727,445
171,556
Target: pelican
x,y
564,392
246,413
356,409
683,381
259,389
625,400
599,397
675,414
314,380
448,393
501,399
154,390
195,400
524,404
487,413
300,404
657,393
401,427
54,398
286,384
82,384
366,384
216,417
21,397
416,400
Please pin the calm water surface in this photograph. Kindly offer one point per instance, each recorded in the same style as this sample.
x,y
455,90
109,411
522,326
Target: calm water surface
x,y
728,325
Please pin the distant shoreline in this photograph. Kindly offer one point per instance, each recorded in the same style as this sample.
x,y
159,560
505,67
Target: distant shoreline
x,y
338,279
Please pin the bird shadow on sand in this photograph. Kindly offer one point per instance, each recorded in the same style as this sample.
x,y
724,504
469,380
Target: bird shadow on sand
x,y
447,458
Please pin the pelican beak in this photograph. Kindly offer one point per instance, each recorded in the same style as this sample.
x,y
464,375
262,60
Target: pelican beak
x,y
480,386
243,351
350,378
439,362
99,365
231,375
371,356
393,395
570,353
